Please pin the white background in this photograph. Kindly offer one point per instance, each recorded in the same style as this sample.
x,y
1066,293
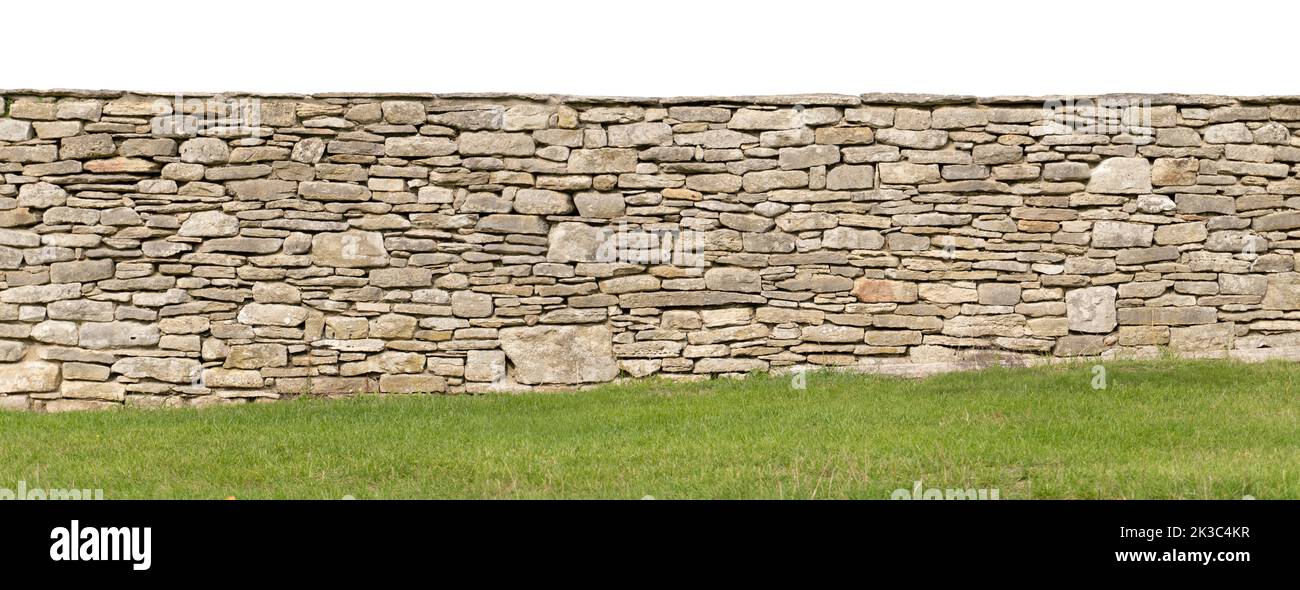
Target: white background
x,y
654,47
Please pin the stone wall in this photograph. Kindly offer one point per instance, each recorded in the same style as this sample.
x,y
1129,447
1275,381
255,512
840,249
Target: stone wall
x,y
157,251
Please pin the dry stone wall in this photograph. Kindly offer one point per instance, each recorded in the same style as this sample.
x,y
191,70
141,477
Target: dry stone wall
x,y
160,250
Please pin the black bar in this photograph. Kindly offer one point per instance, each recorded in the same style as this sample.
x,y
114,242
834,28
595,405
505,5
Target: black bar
x,y
232,540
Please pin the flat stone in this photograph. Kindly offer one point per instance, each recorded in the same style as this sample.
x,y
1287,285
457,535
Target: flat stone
x,y
418,147
333,191
1091,309
397,383
884,291
1119,234
172,370
205,224
1122,176
272,314
600,205
542,202
28,377
40,293
848,238
256,356
497,144
574,242
512,224
350,249
602,161
549,354
98,335
205,150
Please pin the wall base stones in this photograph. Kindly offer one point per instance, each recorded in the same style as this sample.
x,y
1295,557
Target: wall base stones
x,y
190,251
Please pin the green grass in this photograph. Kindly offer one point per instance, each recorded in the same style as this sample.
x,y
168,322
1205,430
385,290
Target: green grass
x,y
1205,429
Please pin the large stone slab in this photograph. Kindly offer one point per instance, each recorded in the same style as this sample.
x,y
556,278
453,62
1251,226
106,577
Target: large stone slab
x,y
32,376
566,355
349,249
1091,310
1121,176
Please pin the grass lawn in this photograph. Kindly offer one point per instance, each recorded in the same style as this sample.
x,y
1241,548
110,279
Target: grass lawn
x,y
1203,429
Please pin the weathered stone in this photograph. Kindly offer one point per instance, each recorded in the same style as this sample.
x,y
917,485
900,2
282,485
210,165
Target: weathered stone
x,y
205,150
1122,176
575,242
40,293
542,202
28,377
1209,337
41,195
884,291
418,147
272,314
1174,171
848,238
236,378
172,370
600,205
560,354
1181,233
733,279
412,384
1091,309
350,249
403,112
496,144
908,173
81,271
1119,234
512,224
602,161
206,224
256,356
14,130
850,178
468,304
485,366
333,191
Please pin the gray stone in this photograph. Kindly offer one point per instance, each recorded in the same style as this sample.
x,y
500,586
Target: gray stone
x,y
205,150
117,335
15,130
1091,310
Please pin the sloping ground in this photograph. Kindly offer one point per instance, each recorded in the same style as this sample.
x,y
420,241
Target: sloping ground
x,y
1176,429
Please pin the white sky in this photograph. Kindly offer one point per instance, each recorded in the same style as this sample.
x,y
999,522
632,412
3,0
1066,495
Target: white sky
x,y
655,47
